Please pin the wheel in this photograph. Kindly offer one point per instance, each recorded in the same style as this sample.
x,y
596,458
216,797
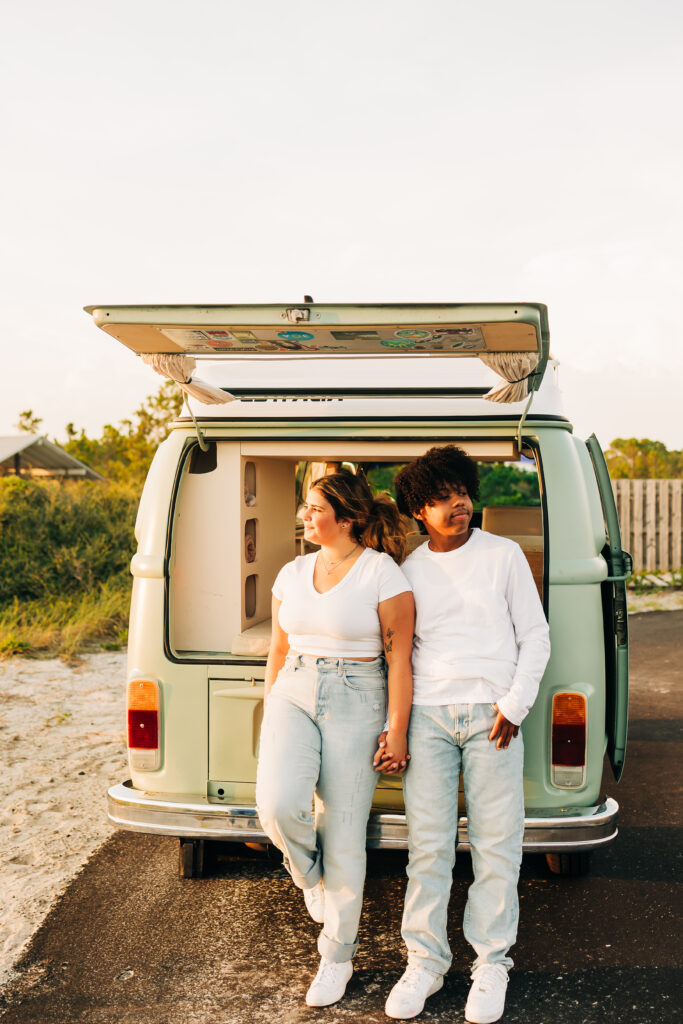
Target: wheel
x,y
576,862
191,858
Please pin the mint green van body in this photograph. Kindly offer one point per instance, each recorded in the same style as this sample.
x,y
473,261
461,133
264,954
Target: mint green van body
x,y
368,386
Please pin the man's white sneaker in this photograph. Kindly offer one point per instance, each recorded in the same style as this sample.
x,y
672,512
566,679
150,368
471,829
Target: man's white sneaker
x,y
330,982
315,902
407,997
486,1001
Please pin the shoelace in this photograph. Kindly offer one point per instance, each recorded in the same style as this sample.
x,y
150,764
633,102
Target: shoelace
x,y
326,970
411,979
486,977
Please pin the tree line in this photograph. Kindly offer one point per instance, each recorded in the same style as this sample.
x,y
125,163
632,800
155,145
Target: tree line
x,y
642,459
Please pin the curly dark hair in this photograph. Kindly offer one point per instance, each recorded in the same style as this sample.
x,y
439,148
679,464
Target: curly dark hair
x,y
431,476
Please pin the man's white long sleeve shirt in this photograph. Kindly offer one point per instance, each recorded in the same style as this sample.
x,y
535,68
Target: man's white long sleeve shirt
x,y
480,632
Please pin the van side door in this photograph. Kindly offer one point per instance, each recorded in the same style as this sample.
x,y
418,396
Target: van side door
x,y
619,567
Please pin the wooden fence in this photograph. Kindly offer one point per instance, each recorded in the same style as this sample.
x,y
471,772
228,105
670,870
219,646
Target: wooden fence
x,y
651,522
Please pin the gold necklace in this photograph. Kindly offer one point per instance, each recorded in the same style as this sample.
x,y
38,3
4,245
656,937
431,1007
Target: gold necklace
x,y
335,565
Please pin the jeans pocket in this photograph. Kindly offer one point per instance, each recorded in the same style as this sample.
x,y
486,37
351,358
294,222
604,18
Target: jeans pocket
x,y
359,680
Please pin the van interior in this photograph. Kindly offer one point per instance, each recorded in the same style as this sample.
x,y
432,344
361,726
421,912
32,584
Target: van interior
x,y
234,525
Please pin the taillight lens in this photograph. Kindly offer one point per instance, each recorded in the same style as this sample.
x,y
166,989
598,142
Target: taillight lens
x,y
568,747
143,724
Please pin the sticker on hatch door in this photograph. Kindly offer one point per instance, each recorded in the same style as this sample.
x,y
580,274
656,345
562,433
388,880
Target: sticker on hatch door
x,y
207,340
413,334
466,338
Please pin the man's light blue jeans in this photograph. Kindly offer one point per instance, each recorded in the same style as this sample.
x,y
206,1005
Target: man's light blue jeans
x,y
319,735
443,741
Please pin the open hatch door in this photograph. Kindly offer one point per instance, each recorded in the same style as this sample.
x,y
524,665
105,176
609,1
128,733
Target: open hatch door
x,y
312,330
619,567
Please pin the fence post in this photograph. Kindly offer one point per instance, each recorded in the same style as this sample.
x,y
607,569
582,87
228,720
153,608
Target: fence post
x,y
676,523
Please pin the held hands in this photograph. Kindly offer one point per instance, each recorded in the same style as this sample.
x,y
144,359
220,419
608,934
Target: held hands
x,y
503,729
392,753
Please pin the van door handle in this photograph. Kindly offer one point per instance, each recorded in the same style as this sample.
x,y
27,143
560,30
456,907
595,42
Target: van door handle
x,y
241,693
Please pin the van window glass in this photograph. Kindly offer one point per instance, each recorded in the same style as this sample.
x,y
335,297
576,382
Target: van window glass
x,y
501,483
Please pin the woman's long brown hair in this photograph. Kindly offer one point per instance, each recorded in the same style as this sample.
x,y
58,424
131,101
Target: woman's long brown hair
x,y
375,520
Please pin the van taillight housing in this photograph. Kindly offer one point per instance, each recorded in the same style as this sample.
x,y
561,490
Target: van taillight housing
x,y
568,744
144,713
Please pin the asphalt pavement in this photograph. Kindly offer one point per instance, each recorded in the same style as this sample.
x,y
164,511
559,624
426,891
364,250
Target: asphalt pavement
x,y
132,943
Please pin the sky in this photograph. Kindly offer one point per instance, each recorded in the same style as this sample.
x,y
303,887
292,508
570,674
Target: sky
x,y
371,150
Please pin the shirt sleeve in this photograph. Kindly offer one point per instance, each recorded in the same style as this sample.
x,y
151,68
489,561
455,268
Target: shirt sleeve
x,y
532,636
390,580
283,580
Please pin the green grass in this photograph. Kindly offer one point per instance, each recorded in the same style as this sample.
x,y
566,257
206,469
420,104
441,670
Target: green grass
x,y
644,582
69,625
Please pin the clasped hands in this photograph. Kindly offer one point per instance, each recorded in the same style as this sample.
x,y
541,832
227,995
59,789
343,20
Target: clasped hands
x,y
392,753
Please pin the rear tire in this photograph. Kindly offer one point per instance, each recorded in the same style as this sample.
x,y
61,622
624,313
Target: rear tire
x,y
191,858
575,863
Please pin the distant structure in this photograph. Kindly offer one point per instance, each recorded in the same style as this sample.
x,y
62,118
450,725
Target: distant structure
x,y
32,455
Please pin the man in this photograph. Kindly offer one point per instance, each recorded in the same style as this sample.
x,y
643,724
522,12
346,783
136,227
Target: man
x,y
481,647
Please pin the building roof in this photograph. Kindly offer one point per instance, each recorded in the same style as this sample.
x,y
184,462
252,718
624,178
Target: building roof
x,y
41,457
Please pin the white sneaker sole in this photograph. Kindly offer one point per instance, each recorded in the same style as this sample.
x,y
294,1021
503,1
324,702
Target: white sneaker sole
x,y
485,1018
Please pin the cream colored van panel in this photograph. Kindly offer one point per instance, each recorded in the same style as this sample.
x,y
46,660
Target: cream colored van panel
x,y
205,605
217,588
570,508
269,514
348,450
184,706
594,503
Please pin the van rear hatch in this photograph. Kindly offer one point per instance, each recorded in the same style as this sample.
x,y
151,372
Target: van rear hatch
x,y
318,331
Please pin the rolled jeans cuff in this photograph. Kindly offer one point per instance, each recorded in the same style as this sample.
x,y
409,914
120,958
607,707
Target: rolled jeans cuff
x,y
337,952
310,879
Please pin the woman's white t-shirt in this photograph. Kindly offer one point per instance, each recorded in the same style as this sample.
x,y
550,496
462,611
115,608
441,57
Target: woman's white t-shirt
x,y
344,621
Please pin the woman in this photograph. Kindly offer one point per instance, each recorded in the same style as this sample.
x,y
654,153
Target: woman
x,y
326,702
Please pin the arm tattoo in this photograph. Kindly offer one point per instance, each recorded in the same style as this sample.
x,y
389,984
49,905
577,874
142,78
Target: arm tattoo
x,y
389,643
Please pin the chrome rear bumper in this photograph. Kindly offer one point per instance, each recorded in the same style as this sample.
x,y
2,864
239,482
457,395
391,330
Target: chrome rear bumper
x,y
553,831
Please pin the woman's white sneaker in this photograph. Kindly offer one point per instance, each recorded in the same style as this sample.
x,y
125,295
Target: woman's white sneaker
x,y
329,984
315,902
407,997
486,1001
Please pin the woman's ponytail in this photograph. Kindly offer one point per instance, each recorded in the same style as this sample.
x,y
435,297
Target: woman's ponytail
x,y
385,529
375,520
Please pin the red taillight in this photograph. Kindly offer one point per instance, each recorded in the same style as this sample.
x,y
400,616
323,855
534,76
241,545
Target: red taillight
x,y
568,748
143,729
143,724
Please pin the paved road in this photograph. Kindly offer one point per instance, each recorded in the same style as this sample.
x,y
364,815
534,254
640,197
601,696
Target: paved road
x,y
130,943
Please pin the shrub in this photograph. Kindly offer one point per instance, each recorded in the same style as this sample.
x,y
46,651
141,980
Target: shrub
x,y
60,539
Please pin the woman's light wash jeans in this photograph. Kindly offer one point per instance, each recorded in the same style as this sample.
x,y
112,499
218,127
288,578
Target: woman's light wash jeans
x,y
443,741
319,735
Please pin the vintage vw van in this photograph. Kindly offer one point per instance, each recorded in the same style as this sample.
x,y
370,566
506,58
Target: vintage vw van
x,y
294,388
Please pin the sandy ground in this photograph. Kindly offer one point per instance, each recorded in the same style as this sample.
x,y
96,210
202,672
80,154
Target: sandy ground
x,y
62,744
